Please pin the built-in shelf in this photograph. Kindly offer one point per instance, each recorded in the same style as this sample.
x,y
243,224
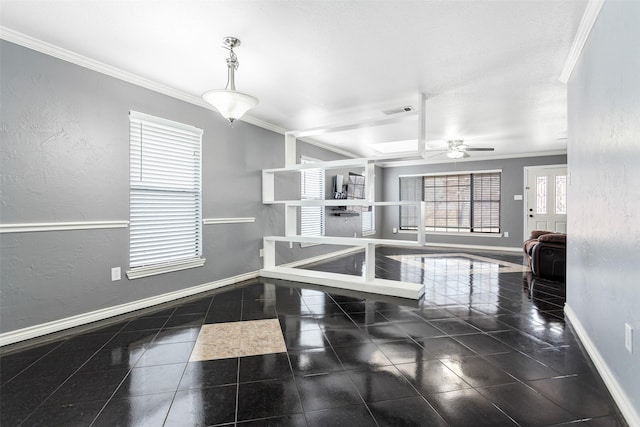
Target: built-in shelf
x,y
340,207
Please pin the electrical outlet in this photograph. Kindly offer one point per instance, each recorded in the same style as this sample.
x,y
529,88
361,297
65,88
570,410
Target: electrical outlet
x,y
115,274
628,337
394,230
506,234
261,252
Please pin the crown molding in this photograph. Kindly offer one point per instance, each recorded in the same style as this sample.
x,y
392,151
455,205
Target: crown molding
x,y
100,67
470,159
584,29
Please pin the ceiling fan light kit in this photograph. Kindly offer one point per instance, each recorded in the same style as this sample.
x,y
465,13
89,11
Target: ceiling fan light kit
x,y
457,149
456,154
230,103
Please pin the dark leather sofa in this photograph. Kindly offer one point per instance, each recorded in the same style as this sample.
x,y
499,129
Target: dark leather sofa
x,y
547,252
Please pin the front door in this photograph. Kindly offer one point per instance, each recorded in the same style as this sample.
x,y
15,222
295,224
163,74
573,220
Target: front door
x,y
546,199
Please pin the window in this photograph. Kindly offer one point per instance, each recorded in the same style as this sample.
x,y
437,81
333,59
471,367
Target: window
x,y
311,188
561,195
355,190
165,196
468,202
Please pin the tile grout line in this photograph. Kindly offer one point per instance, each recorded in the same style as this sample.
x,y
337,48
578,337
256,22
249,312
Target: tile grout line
x,y
73,373
238,368
293,374
129,370
175,393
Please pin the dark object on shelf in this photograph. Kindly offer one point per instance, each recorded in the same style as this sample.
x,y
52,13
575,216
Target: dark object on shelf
x,y
343,211
547,252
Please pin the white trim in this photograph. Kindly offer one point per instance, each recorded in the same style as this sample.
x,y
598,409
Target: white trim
x,y
525,198
452,173
329,147
330,255
321,130
100,67
137,116
625,404
28,227
402,163
346,281
584,29
105,313
453,233
209,221
339,240
168,267
479,247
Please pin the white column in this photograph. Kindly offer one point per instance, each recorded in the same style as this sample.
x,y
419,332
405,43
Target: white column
x,y
422,125
290,220
422,211
268,187
289,150
268,253
370,182
370,261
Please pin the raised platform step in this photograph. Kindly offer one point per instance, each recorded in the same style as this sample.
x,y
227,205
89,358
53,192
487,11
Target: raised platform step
x,y
346,281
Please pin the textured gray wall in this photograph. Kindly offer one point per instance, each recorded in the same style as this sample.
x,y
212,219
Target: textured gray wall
x,y
511,211
65,157
604,200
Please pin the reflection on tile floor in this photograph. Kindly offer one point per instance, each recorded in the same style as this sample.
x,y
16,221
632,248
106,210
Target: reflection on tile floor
x,y
488,345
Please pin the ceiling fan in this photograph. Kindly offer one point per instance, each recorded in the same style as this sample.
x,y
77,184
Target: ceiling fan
x,y
457,149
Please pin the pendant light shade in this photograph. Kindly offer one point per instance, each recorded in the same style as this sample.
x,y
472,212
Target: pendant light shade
x,y
230,103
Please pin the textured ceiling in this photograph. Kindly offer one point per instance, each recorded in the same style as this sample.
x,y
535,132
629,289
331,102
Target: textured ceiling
x,y
489,68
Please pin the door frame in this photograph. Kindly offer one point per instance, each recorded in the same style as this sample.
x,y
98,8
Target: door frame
x,y
525,204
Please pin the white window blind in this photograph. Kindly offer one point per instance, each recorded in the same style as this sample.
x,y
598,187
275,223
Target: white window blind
x,y
467,202
311,188
410,190
368,217
165,191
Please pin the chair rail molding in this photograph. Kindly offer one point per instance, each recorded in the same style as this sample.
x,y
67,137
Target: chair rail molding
x,y
209,221
29,227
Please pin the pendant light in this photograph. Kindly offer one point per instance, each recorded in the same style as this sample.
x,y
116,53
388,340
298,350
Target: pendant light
x,y
230,103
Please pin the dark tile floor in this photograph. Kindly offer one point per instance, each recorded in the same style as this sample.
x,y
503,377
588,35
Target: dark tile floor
x,y
484,347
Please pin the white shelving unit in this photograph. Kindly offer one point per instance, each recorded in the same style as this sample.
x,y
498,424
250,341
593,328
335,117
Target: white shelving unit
x,y
367,282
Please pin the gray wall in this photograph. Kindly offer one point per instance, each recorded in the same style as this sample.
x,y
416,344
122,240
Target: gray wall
x,y
65,157
604,200
511,211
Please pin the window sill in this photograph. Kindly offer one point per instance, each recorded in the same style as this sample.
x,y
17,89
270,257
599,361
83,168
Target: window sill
x,y
368,233
453,233
152,270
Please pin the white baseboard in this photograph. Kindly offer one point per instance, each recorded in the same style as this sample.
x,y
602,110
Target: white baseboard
x,y
619,396
35,331
42,329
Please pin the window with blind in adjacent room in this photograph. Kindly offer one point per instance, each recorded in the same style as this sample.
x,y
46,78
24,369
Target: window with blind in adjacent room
x,y
165,196
311,188
466,202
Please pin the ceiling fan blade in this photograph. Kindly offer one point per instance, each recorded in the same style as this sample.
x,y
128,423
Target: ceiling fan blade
x,y
479,149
